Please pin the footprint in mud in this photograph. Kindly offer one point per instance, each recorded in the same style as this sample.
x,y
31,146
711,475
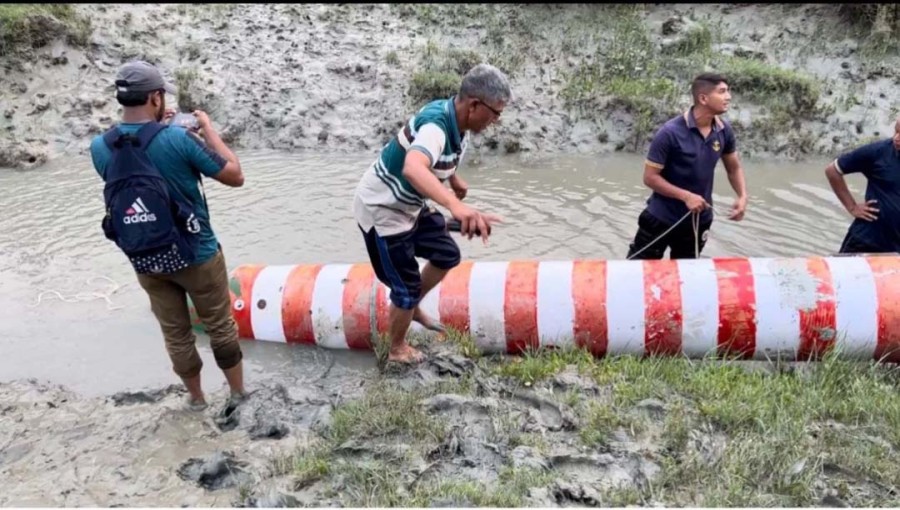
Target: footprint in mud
x,y
270,412
544,414
219,471
605,471
276,500
125,398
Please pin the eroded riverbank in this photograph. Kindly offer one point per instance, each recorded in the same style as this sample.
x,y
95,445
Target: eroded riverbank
x,y
586,79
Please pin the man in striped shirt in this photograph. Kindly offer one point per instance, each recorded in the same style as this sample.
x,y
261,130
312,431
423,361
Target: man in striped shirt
x,y
390,204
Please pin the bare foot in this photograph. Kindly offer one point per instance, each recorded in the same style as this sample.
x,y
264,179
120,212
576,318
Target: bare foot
x,y
427,322
405,354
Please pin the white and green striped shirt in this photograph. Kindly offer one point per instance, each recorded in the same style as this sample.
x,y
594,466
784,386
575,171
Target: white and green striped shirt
x,y
384,198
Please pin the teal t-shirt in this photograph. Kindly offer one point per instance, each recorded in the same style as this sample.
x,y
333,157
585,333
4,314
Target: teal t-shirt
x,y
178,155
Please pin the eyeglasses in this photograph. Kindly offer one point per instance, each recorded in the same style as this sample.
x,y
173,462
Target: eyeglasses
x,y
489,107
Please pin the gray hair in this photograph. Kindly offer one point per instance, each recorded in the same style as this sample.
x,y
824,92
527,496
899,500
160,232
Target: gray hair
x,y
487,83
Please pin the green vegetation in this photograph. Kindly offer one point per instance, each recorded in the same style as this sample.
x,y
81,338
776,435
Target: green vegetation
x,y
626,71
427,86
392,59
697,40
630,72
394,418
724,433
384,412
439,72
877,27
778,432
768,84
184,81
30,26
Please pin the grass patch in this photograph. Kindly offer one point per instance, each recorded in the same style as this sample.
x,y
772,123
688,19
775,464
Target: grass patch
x,y
394,414
601,421
440,72
31,26
464,343
392,59
383,411
308,466
539,364
877,47
509,493
644,99
185,79
779,431
626,73
629,72
531,440
380,484
768,84
426,86
697,40
725,434
876,26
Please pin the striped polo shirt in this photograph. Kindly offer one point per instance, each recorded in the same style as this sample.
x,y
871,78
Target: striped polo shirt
x,y
384,198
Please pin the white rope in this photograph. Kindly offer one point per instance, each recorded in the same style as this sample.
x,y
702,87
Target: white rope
x,y
86,296
695,222
651,243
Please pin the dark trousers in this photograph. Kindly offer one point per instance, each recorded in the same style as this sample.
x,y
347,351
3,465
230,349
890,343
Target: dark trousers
x,y
854,244
680,240
207,284
394,257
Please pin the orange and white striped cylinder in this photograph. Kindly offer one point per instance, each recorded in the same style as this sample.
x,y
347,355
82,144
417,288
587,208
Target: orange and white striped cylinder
x,y
762,308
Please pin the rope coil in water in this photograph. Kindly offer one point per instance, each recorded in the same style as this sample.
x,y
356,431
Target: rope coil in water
x,y
86,296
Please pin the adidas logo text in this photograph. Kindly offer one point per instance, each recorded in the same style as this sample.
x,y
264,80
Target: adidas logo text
x,y
139,218
138,213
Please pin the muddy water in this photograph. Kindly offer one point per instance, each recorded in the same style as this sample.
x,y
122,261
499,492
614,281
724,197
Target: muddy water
x,y
295,208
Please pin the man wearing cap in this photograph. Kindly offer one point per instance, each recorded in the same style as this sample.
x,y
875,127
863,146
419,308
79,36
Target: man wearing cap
x,y
179,154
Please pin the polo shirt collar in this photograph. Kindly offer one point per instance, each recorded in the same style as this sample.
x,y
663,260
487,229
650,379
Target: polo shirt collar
x,y
454,127
692,122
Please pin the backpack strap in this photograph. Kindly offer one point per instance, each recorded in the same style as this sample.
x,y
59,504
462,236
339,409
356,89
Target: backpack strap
x,y
115,138
147,132
110,137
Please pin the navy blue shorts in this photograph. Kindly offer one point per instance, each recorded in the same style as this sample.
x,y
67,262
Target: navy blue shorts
x,y
394,257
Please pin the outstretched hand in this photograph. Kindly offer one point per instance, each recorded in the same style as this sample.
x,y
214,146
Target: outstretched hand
x,y
473,222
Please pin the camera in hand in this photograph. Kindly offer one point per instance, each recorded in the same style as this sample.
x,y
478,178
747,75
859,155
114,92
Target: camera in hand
x,y
185,120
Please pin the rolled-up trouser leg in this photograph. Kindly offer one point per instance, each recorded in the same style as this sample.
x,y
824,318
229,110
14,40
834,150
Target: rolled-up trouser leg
x,y
169,304
207,284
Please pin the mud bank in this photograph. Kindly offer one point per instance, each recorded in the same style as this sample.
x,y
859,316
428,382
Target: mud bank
x,y
344,77
142,448
557,428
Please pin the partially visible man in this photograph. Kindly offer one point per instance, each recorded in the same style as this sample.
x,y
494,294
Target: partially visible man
x,y
876,224
390,205
168,277
680,168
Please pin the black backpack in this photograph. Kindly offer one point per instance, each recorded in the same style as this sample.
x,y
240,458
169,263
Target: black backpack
x,y
155,229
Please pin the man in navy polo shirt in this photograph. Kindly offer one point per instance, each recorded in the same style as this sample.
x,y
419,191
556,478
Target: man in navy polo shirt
x,y
876,224
679,169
